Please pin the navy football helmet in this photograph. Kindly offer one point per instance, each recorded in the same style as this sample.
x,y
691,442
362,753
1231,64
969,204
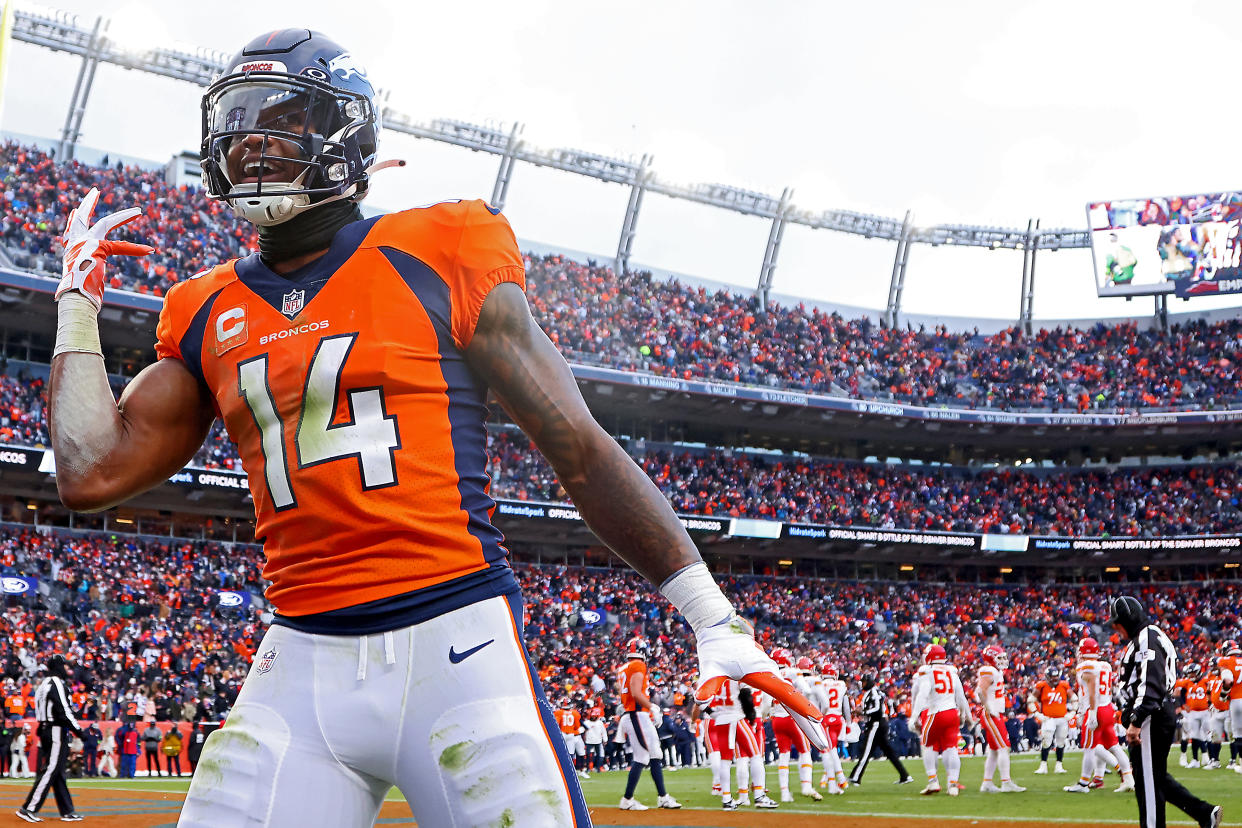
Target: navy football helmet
x,y
290,125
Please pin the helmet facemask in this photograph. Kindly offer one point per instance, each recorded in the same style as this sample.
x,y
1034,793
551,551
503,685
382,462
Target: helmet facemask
x,y
276,144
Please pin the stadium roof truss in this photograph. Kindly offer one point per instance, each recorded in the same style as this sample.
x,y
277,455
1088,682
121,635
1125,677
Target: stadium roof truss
x,y
64,32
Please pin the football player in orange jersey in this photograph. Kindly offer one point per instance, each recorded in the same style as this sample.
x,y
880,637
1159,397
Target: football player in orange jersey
x,y
1195,724
569,721
351,361
1218,720
1229,668
1181,688
1049,702
638,727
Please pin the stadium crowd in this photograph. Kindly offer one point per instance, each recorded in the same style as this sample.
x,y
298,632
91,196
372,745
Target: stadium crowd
x,y
635,322
142,622
1126,501
1153,501
190,232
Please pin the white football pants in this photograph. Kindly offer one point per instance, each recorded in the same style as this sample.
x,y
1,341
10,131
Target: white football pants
x,y
327,725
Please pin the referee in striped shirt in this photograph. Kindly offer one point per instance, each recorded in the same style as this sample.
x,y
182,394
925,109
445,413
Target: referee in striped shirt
x,y
874,707
1148,710
56,725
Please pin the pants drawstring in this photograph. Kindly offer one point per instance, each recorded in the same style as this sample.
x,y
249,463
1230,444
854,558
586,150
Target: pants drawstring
x,y
390,654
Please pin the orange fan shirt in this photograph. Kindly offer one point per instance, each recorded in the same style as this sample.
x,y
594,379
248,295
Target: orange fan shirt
x,y
358,421
633,667
1052,700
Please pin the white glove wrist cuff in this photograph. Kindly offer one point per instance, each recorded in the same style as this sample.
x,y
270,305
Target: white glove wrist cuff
x,y
698,598
77,325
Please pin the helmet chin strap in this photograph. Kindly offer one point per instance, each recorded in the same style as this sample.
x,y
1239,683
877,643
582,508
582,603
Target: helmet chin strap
x,y
269,211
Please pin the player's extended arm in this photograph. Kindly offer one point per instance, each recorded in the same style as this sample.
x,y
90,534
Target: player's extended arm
x,y
963,706
983,684
616,499
918,697
641,700
534,384
107,452
1090,717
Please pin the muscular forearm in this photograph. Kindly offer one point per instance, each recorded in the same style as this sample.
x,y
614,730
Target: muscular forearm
x,y
625,509
84,424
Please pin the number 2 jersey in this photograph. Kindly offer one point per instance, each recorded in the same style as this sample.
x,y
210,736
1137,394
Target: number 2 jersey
x,y
358,421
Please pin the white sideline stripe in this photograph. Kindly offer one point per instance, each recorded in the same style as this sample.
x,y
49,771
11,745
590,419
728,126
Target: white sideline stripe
x,y
1149,782
786,810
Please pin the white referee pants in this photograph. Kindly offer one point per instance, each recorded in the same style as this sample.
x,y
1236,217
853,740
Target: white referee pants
x,y
326,725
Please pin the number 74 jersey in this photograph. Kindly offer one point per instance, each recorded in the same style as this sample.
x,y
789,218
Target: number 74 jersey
x,y
345,387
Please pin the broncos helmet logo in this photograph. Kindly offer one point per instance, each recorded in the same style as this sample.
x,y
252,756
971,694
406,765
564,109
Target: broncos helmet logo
x,y
346,66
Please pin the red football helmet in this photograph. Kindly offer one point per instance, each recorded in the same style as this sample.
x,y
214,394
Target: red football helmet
x,y
1088,648
830,670
994,655
934,653
783,657
636,647
805,664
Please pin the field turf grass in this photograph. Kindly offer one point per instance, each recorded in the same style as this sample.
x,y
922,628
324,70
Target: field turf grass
x,y
1043,802
877,802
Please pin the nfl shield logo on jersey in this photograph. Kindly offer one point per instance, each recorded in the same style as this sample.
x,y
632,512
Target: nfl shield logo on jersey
x,y
292,302
266,662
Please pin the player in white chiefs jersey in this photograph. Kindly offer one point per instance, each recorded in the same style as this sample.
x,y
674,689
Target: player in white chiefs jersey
x,y
732,743
788,736
1097,719
835,705
939,706
753,702
990,692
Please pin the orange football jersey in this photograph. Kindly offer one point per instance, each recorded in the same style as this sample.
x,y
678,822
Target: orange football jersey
x,y
1198,695
1220,698
633,667
1052,700
1232,664
358,421
569,721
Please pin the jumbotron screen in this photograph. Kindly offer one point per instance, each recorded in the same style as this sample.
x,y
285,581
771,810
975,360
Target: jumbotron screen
x,y
1188,245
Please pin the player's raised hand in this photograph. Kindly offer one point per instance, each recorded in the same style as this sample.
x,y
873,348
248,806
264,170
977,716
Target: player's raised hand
x,y
86,246
728,650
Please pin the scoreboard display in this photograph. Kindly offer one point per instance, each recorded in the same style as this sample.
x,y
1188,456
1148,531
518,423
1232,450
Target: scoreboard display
x,y
1187,245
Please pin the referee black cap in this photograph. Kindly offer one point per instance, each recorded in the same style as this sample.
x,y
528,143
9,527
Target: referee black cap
x,y
1127,611
56,666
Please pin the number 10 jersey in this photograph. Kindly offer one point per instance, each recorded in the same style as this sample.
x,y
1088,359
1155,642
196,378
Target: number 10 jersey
x,y
358,421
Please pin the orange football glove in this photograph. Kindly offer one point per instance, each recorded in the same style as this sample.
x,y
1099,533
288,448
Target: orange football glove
x,y
728,650
86,247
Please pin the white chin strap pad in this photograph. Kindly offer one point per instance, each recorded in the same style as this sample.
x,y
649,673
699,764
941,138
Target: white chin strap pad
x,y
270,210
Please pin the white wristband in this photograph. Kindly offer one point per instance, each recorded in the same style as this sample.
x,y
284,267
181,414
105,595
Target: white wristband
x,y
77,325
694,592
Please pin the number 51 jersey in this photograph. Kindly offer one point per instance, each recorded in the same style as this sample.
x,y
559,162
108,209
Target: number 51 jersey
x,y
358,421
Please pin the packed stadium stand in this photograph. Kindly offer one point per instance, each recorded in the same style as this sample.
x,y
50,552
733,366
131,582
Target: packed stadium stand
x,y
637,323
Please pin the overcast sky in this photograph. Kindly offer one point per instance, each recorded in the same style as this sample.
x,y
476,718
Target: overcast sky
x,y
964,112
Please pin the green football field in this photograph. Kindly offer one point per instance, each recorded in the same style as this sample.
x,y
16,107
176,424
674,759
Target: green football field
x,y
1043,801
877,799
